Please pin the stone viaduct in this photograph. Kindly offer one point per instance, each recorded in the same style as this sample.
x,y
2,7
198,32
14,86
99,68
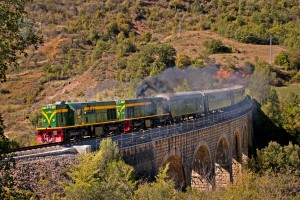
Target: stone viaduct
x,y
206,157
204,153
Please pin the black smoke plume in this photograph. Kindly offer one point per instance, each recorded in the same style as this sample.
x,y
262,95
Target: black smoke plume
x,y
172,78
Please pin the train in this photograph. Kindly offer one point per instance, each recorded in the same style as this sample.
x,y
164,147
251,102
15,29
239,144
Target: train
x,y
67,121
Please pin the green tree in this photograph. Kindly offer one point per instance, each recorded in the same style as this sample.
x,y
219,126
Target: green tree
x,y
16,33
216,46
124,23
272,107
151,60
282,59
260,82
7,190
101,175
157,67
294,56
125,46
167,54
279,159
291,115
101,46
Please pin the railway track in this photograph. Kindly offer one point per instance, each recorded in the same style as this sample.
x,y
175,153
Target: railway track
x,y
44,148
20,149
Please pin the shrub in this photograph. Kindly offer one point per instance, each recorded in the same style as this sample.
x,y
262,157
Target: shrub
x,y
183,60
296,78
146,37
112,29
101,46
216,46
126,46
283,59
198,63
279,159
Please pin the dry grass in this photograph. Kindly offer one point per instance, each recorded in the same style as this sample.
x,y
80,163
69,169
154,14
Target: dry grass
x,y
190,43
286,90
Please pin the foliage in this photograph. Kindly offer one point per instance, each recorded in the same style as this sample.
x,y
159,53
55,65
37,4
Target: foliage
x,y
150,60
146,37
125,47
296,78
16,34
183,60
294,57
261,187
260,82
283,59
101,46
278,159
291,115
101,175
166,54
272,107
162,188
198,63
56,72
216,46
124,23
254,22
177,4
7,190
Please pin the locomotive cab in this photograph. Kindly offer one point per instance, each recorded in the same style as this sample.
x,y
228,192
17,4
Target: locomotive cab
x,y
54,117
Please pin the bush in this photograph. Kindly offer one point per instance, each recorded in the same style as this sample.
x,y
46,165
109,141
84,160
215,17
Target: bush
x,y
146,37
198,63
101,46
151,60
216,46
278,159
112,29
183,61
296,78
125,47
282,59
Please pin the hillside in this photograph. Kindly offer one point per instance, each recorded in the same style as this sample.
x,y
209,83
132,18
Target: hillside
x,y
92,51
